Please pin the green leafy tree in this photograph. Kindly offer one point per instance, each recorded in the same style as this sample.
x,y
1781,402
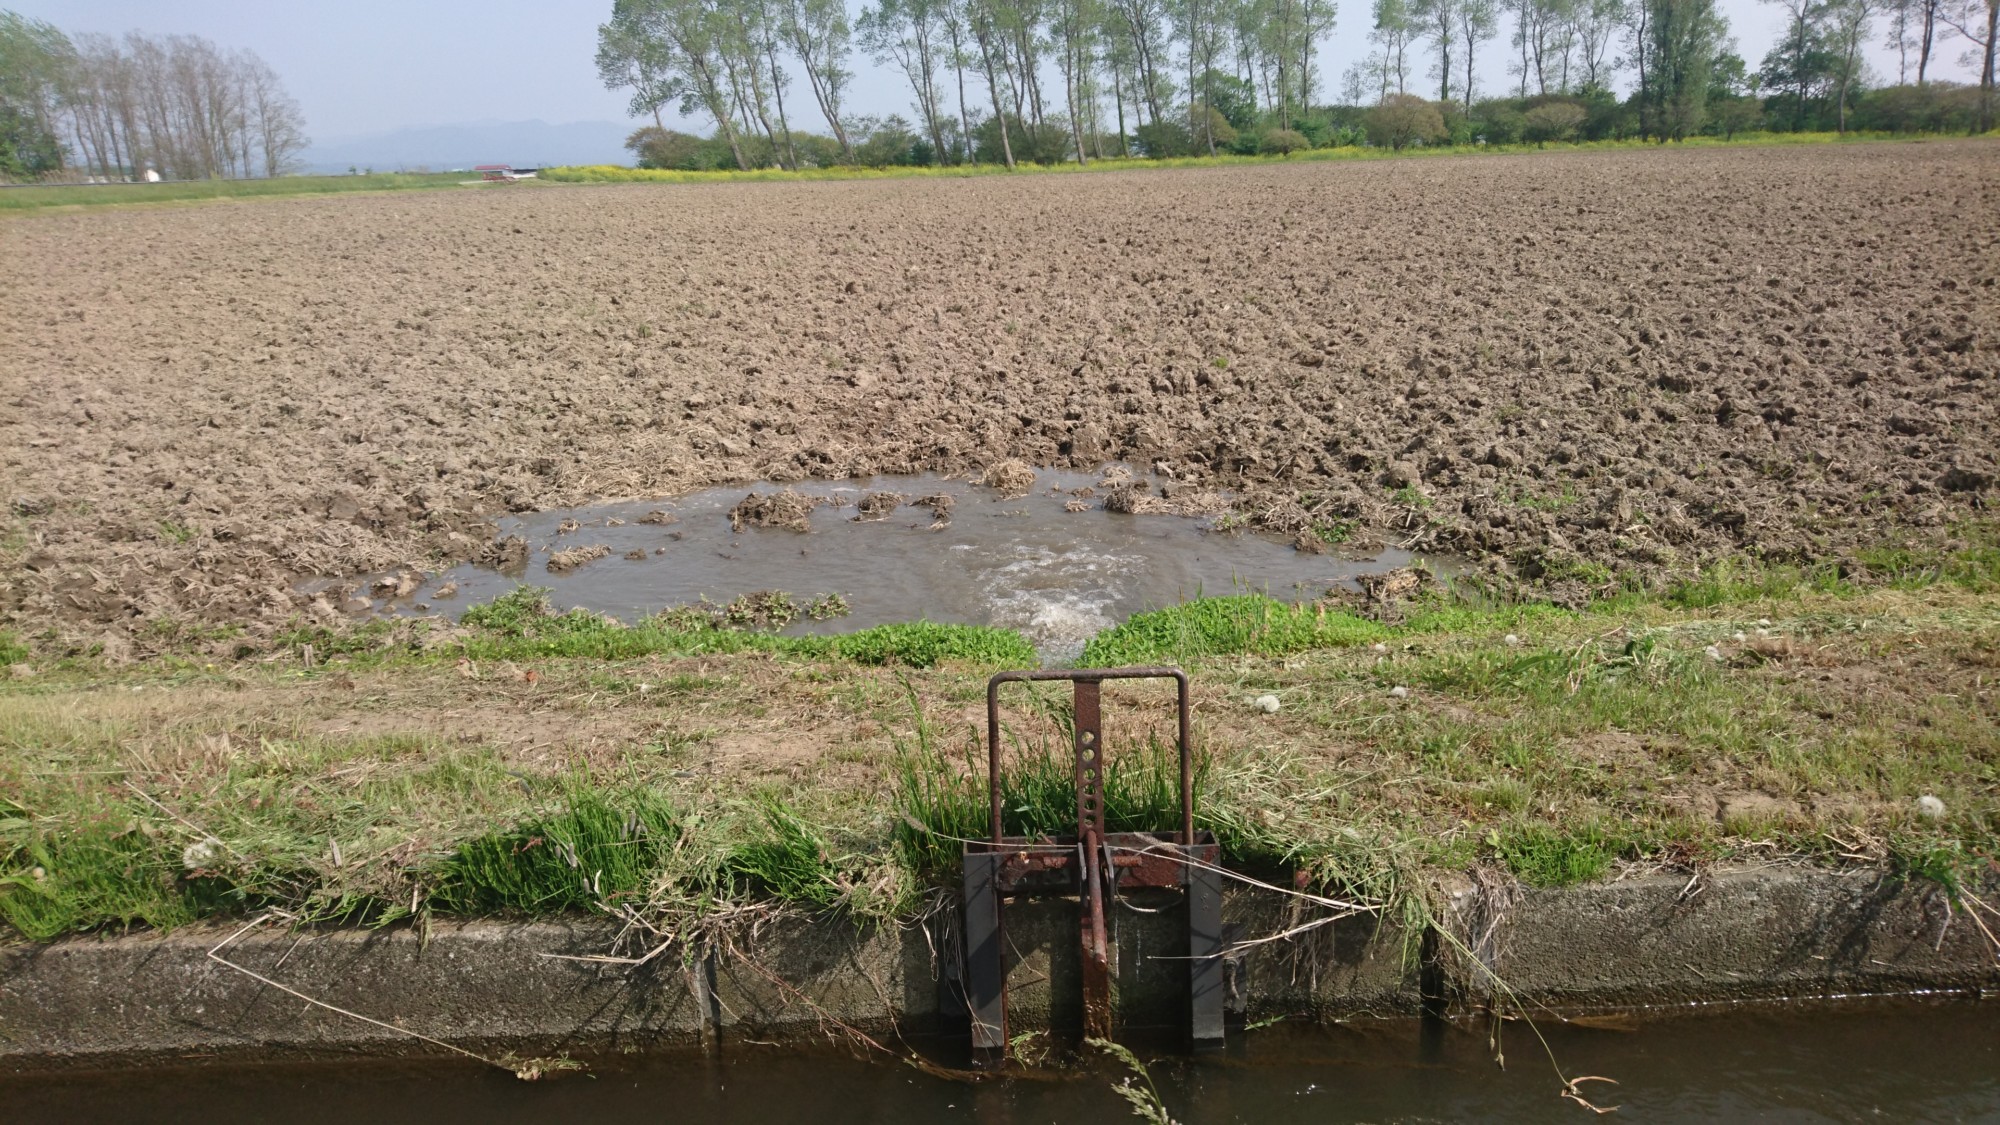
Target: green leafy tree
x,y
1402,120
1202,26
1232,97
985,27
36,60
655,147
681,41
1553,121
1799,61
26,149
1283,142
1682,41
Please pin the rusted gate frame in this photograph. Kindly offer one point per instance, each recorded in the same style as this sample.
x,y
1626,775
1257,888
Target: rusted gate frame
x,y
1098,862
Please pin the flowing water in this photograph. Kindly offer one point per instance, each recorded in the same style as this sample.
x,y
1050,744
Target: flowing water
x,y
1027,563
1931,1062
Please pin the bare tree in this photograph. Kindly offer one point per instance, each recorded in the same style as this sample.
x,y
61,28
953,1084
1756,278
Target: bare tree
x,y
1478,21
279,126
1199,24
953,15
1395,31
682,40
1075,25
909,34
179,105
1847,26
1594,24
820,37
1965,18
1439,20
983,31
1143,26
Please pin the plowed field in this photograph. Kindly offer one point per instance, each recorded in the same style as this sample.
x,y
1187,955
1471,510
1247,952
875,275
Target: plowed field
x,y
1562,366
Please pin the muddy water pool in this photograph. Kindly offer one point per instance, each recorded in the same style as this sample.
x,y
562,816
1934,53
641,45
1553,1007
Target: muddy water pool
x,y
1930,1062
1033,563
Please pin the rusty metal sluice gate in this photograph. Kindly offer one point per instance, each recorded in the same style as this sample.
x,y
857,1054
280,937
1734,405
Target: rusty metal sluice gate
x,y
1094,865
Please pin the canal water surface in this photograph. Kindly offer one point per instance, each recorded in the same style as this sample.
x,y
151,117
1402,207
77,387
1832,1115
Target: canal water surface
x,y
1935,1061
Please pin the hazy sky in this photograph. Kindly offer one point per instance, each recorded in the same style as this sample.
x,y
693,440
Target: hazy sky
x,y
366,66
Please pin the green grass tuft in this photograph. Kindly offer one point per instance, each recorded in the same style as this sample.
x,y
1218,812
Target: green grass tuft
x,y
521,624
1542,856
106,872
926,644
942,803
600,848
1236,623
789,860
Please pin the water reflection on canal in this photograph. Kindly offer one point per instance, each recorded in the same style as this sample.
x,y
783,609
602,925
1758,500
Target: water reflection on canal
x,y
1934,1061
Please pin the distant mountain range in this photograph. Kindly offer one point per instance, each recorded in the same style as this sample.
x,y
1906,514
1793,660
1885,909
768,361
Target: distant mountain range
x,y
523,144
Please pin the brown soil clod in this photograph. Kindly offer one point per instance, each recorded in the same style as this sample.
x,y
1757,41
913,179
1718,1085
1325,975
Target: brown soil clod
x,y
1011,478
658,516
877,505
787,508
571,558
1132,498
940,504
506,555
1385,596
399,585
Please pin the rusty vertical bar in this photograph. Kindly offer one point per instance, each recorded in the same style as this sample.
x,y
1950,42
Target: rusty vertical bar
x,y
1206,984
985,963
1088,720
1089,724
993,755
1187,758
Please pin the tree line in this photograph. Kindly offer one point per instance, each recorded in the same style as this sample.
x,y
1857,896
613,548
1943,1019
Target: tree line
x,y
177,105
1002,81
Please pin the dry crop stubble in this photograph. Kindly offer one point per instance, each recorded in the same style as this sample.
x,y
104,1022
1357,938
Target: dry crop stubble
x,y
1580,363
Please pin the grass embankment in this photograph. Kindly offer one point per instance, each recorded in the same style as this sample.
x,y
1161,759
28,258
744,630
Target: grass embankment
x,y
614,173
34,198
535,762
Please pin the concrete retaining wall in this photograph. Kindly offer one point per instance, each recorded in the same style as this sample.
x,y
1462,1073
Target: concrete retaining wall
x,y
495,986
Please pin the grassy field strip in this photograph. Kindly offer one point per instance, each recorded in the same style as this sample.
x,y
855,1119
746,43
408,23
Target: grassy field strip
x,y
29,199
531,765
609,173
34,198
